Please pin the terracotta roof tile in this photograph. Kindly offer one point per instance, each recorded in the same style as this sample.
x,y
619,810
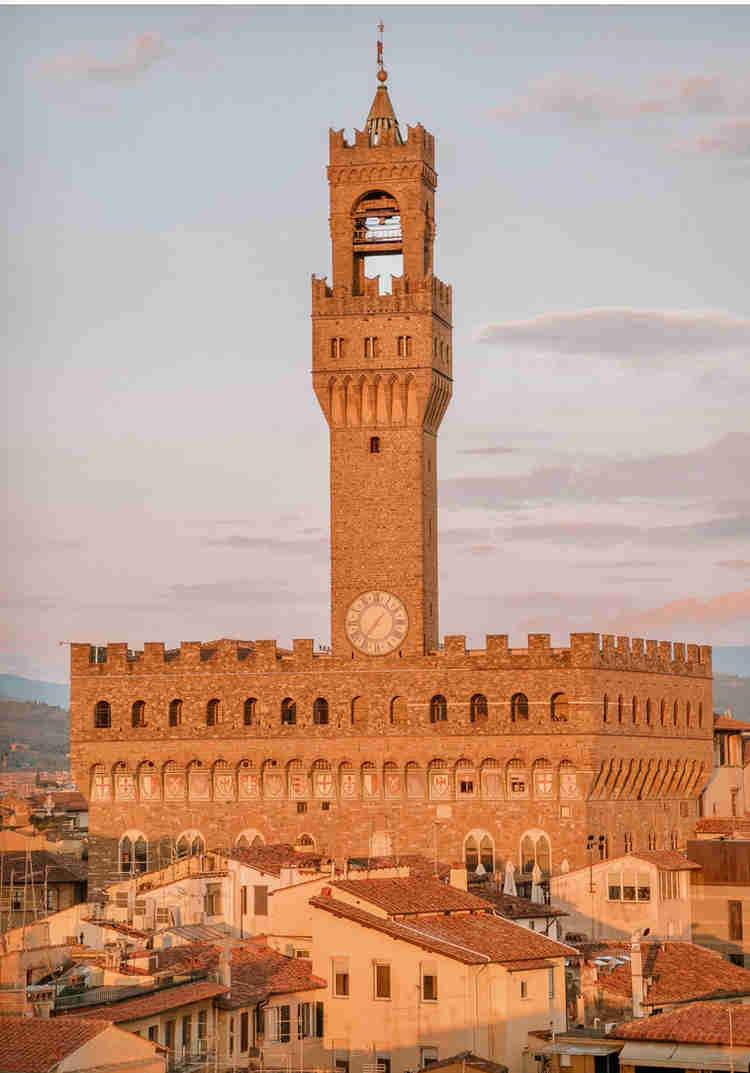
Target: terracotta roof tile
x,y
38,1044
168,998
700,1022
728,722
472,938
679,972
718,825
271,858
666,859
257,971
411,895
515,908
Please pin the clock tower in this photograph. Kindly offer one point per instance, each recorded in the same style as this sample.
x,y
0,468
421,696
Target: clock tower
x,y
382,373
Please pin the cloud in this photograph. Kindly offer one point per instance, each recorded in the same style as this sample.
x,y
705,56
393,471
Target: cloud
x,y
602,535
716,472
623,564
634,336
488,451
735,564
270,544
727,607
730,139
141,54
580,103
240,591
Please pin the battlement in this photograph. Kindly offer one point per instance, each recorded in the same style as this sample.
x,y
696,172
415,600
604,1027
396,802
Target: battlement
x,y
426,295
419,144
586,651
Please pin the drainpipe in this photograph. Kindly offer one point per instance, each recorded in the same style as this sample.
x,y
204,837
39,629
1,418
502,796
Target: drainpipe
x,y
476,1006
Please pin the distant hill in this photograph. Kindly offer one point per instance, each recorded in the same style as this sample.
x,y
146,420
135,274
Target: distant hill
x,y
45,729
12,685
732,659
732,692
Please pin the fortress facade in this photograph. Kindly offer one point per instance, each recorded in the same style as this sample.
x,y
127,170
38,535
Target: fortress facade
x,y
390,742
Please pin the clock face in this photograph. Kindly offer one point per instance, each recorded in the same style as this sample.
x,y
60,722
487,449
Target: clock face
x,y
377,623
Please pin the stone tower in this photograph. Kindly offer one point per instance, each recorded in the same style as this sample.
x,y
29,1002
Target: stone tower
x,y
382,373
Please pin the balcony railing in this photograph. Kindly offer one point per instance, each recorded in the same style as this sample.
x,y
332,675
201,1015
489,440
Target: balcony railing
x,y
377,234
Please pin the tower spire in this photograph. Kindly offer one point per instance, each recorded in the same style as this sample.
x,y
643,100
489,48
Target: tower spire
x,y
381,115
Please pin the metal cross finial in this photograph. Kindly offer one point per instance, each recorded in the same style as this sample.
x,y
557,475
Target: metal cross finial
x,y
380,45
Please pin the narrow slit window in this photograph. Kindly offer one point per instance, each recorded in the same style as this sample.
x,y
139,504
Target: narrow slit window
x,y
374,445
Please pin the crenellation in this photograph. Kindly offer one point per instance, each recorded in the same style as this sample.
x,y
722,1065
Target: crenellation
x,y
679,652
153,655
454,647
636,649
693,654
665,653
652,651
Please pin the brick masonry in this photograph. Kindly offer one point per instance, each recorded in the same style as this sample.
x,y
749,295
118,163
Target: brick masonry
x,y
623,751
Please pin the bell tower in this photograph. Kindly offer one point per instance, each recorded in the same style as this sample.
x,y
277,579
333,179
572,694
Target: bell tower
x,y
382,373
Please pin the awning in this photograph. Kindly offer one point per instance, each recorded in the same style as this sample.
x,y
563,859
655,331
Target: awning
x,y
577,1048
685,1055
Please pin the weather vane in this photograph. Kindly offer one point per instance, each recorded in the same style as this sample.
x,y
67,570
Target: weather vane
x,y
382,73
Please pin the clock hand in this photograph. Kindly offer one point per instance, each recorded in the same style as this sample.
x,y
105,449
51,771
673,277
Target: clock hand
x,y
374,625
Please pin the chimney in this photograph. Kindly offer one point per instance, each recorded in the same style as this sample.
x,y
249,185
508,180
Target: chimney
x,y
636,973
458,876
225,967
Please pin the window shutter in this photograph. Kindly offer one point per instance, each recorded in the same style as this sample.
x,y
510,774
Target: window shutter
x,y
285,1023
319,1020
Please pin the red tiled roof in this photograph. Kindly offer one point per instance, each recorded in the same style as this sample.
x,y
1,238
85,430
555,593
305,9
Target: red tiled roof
x,y
257,971
515,908
169,998
468,1060
701,1022
718,825
670,860
472,938
728,722
271,858
524,966
409,895
38,1044
679,972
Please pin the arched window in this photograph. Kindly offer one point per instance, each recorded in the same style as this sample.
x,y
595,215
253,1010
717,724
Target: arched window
x,y
478,709
175,713
288,712
543,855
528,858
676,713
102,715
487,854
305,843
190,844
213,712
320,712
649,712
133,853
559,708
652,840
138,714
620,709
358,711
663,712
688,713
605,709
249,839
438,709
635,706
374,445
248,711
674,840
398,710
471,854
519,707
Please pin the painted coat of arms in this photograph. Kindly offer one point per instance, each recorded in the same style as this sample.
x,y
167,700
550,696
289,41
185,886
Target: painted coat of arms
x,y
249,785
223,787
101,788
568,784
393,785
199,786
124,787
323,783
543,780
348,784
174,786
492,784
150,789
273,785
297,784
441,784
414,785
370,783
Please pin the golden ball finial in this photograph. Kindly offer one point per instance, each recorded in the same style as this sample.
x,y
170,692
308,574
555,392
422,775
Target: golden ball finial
x,y
382,75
